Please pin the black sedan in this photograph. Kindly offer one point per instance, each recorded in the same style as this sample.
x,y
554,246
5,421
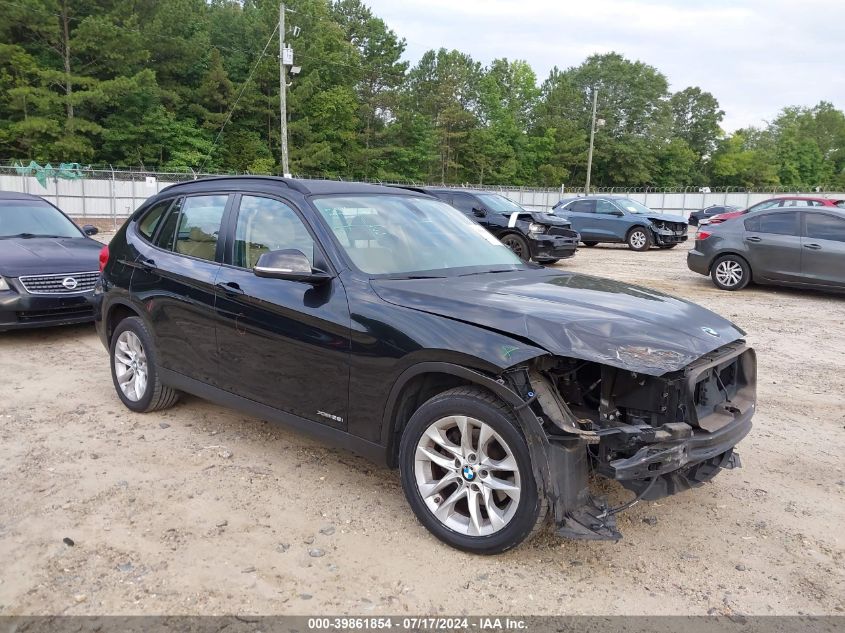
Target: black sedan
x,y
48,266
800,247
702,217
389,323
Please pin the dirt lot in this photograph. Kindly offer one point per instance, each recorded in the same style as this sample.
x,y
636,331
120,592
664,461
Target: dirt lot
x,y
203,510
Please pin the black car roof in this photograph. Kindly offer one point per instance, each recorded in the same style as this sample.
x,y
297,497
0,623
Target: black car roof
x,y
17,195
306,187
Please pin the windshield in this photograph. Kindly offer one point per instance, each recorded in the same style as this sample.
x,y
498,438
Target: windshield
x,y
500,204
632,206
399,235
34,218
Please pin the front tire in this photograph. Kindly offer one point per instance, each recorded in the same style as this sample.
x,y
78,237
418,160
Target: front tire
x,y
518,244
730,272
133,369
467,474
639,239
589,244
547,262
667,247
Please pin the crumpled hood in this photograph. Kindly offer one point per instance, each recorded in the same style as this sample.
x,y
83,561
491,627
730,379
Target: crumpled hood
x,y
667,218
574,315
550,219
48,255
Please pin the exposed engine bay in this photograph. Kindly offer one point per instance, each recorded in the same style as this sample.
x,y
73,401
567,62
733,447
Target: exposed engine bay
x,y
656,435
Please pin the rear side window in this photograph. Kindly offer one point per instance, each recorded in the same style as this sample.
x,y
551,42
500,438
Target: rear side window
x,y
582,206
149,222
825,227
605,207
779,223
193,226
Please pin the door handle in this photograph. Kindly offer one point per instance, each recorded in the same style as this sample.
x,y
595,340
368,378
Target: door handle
x,y
814,247
230,288
753,238
146,263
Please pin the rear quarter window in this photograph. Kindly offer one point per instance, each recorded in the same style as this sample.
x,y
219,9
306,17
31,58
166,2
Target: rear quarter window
x,y
149,221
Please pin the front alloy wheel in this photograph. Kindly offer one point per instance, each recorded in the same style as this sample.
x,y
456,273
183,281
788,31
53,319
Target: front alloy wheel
x,y
518,245
466,472
639,239
467,475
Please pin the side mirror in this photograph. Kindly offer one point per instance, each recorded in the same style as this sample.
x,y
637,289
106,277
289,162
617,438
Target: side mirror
x,y
479,212
90,229
617,213
290,264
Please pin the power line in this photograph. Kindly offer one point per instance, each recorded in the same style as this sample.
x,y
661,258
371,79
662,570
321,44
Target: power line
x,y
240,94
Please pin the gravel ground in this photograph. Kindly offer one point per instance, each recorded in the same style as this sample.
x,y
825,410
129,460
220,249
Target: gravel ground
x,y
200,509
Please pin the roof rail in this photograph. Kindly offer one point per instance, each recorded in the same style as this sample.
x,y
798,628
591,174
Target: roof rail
x,y
291,183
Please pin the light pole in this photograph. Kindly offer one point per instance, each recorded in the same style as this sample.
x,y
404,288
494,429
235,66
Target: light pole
x,y
593,124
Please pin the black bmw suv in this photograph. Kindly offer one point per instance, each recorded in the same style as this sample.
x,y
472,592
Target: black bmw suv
x,y
532,235
388,323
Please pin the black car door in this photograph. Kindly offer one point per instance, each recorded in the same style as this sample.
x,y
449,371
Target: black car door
x,y
773,243
174,279
823,252
282,343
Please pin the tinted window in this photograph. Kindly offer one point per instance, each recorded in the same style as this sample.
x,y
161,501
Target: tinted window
x,y
582,206
715,210
608,208
267,225
779,223
199,226
166,236
753,224
464,202
147,225
825,227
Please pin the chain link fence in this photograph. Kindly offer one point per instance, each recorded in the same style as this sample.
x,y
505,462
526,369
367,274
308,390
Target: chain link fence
x,y
114,193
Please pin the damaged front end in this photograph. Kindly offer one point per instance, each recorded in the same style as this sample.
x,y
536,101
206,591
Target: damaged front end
x,y
656,435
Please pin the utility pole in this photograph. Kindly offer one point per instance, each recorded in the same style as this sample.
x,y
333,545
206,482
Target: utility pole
x,y
592,136
283,83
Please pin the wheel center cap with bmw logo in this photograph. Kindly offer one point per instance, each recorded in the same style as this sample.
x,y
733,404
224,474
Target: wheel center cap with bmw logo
x,y
468,473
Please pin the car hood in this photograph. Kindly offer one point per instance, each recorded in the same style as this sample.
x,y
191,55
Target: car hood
x,y
578,316
667,218
550,219
47,255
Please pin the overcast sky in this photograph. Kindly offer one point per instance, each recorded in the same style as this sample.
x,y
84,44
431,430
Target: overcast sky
x,y
755,56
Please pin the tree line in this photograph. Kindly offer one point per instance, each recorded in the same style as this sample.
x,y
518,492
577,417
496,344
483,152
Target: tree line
x,y
151,83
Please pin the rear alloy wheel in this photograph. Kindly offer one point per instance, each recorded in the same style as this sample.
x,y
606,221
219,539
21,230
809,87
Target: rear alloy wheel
x,y
134,371
466,472
730,272
589,244
518,245
639,239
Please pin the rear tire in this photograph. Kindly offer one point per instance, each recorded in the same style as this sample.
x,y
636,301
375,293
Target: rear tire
x,y
467,474
639,239
518,244
133,369
730,272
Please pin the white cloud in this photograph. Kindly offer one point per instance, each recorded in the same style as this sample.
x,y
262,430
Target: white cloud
x,y
755,56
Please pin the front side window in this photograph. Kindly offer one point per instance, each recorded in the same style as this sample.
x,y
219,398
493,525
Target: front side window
x,y
399,235
464,202
821,226
766,204
632,206
605,207
779,223
34,218
265,225
797,203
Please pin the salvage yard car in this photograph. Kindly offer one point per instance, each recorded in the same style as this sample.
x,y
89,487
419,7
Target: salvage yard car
x,y
388,323
532,235
48,266
803,247
617,219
